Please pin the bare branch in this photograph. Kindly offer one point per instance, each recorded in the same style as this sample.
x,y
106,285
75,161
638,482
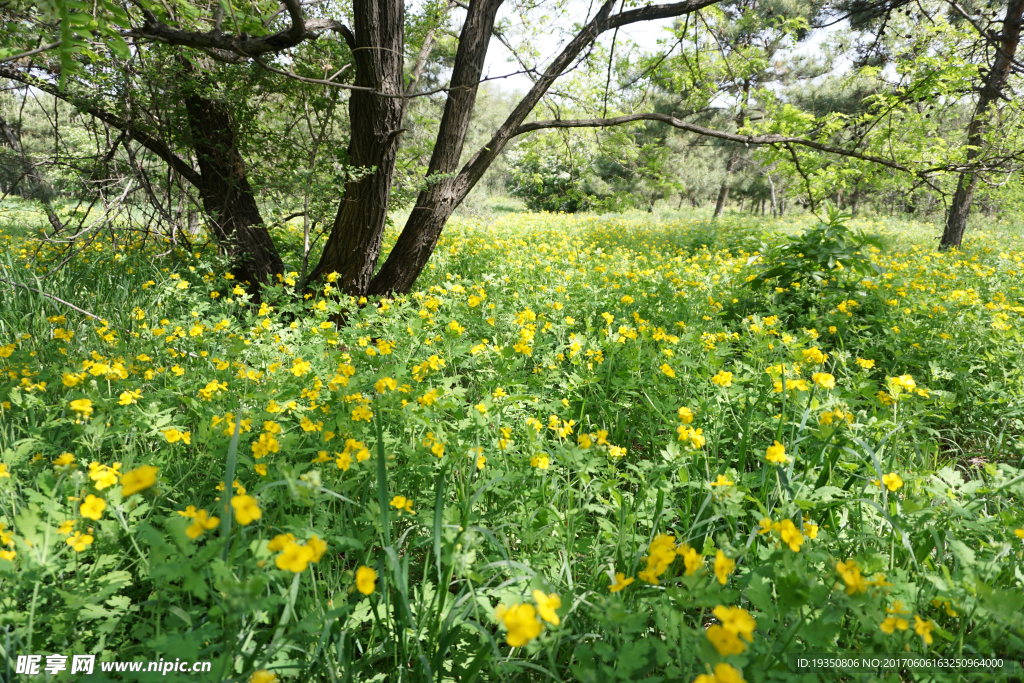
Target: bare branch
x,y
756,140
151,143
44,48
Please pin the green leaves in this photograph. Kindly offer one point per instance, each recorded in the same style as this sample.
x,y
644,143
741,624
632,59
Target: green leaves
x,y
819,254
83,23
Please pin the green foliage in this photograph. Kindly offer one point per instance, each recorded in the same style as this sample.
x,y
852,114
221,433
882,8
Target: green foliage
x,y
548,173
817,254
560,349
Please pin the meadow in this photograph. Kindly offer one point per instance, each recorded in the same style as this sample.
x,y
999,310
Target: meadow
x,y
585,448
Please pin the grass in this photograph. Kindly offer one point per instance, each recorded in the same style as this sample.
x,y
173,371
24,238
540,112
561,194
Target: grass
x,y
494,478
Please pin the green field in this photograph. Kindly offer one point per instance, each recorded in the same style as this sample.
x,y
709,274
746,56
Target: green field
x,y
584,448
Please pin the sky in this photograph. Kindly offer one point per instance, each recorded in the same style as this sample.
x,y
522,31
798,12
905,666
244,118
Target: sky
x,y
644,34
499,59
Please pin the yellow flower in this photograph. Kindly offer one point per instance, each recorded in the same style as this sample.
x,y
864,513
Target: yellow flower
x,y
667,369
724,673
174,436
726,642
247,510
93,507
129,397
722,480
924,629
361,413
660,555
541,462
815,355
104,476
724,566
1019,533
776,454
263,676
382,385
66,527
737,621
261,469
892,481
481,462
685,415
546,605
366,580
318,546
278,543
692,560
521,622
201,522
267,443
892,623
8,555
722,379
189,512
866,364
64,460
79,541
850,573
82,406
620,582
294,557
824,380
139,479
791,536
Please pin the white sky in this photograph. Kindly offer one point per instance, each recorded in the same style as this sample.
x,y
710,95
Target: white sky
x,y
643,34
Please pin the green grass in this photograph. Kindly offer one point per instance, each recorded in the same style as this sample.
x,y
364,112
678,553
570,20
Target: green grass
x,y
561,350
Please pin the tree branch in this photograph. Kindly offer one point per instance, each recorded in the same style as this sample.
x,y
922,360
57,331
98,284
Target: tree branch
x,y
218,45
710,132
602,21
158,147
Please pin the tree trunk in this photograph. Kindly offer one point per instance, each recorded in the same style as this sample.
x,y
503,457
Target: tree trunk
x,y
378,49
960,208
30,175
228,200
227,197
723,192
435,205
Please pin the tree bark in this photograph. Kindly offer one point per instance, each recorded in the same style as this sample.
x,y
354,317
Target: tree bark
x,y
960,207
438,201
723,192
228,200
378,48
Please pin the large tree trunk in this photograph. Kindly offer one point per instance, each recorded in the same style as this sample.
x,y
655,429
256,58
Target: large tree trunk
x,y
960,208
228,200
378,49
435,204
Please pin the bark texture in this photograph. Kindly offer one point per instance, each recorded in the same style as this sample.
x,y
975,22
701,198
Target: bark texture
x,y
723,191
227,197
995,82
378,48
435,204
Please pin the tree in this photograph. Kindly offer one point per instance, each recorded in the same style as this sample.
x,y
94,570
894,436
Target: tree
x,y
1004,44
